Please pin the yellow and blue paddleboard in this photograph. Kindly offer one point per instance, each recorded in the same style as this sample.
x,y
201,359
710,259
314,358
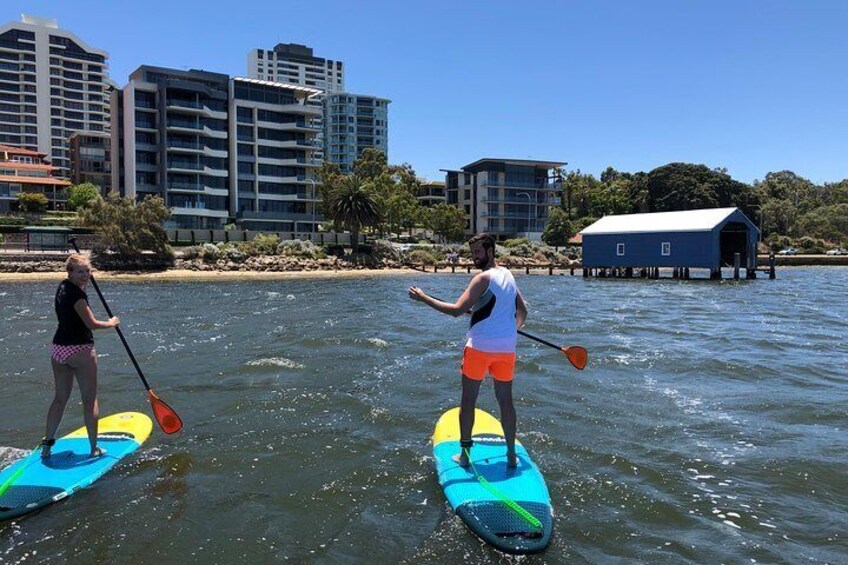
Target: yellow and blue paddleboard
x,y
40,482
509,509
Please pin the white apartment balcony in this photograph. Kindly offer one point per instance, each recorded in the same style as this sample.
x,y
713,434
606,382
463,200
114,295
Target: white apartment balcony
x,y
292,162
287,126
303,110
247,215
184,147
185,188
194,108
189,210
215,172
290,179
214,133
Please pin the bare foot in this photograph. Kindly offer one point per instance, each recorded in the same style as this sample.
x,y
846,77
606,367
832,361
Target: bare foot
x,y
98,452
461,459
511,461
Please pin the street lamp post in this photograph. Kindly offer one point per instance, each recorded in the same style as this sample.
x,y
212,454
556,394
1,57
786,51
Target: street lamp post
x,y
529,210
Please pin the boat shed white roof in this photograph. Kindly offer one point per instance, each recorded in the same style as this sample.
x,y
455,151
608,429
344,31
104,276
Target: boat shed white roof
x,y
684,221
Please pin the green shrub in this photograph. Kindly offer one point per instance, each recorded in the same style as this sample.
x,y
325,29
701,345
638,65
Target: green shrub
x,y
262,244
808,244
517,242
13,221
192,252
382,249
232,252
209,252
421,257
300,248
32,202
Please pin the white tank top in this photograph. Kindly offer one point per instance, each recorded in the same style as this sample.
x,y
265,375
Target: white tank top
x,y
493,316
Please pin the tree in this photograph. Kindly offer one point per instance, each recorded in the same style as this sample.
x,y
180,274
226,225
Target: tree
x,y
129,228
81,195
401,211
353,208
34,202
826,222
778,217
330,175
446,221
557,229
370,164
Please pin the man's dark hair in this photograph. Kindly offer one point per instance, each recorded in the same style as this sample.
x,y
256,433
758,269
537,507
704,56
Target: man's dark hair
x,y
486,239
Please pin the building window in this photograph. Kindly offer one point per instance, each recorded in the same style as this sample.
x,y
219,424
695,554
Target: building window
x,y
619,249
666,248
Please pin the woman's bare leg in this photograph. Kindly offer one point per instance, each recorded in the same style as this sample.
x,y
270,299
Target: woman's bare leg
x,y
85,368
63,378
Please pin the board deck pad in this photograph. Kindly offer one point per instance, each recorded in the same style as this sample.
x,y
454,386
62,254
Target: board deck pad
x,y
483,511
69,467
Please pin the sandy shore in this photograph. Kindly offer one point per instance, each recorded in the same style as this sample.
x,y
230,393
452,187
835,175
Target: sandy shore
x,y
186,275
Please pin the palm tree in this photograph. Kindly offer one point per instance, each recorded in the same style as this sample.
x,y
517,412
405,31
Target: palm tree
x,y
353,208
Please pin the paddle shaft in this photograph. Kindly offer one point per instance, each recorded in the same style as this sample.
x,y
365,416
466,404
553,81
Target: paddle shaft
x,y
540,340
118,328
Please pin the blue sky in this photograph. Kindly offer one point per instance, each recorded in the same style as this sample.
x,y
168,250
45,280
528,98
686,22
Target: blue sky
x,y
752,86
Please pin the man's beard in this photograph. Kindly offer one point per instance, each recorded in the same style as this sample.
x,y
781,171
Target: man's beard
x,y
481,263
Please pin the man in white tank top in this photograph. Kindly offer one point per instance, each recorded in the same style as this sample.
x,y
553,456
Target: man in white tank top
x,y
497,311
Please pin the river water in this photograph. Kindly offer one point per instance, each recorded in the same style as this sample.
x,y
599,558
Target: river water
x,y
710,426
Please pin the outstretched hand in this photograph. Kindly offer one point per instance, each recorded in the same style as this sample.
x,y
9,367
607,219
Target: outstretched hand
x,y
416,293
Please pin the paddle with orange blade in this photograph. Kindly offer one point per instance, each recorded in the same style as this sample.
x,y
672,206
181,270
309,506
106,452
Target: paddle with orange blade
x,y
577,355
167,418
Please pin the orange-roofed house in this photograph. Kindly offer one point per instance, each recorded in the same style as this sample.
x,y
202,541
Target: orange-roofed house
x,y
22,170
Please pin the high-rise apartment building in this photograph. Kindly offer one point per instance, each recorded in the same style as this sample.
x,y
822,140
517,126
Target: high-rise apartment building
x,y
352,123
273,141
52,84
218,149
296,64
505,197
292,63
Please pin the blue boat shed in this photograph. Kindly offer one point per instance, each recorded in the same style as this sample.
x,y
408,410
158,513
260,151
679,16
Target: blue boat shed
x,y
707,239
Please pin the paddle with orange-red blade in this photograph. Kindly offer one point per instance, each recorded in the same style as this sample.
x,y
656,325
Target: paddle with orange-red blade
x,y
167,418
577,355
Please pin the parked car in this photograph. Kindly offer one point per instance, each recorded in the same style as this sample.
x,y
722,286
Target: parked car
x,y
838,251
788,251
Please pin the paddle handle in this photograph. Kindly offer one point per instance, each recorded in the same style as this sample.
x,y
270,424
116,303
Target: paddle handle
x,y
73,242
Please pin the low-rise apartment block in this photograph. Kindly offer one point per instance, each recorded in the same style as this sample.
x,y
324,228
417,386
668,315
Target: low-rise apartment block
x,y
431,193
23,170
91,159
505,197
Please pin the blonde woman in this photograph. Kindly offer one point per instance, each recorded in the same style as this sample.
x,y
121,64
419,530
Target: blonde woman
x,y
72,352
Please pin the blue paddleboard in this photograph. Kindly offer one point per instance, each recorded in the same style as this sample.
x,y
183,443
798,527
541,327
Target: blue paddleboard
x,y
525,526
69,467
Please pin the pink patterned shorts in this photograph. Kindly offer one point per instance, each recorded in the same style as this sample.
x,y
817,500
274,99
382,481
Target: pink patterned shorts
x,y
60,353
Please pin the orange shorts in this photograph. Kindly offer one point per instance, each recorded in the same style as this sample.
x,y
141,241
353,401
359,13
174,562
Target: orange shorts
x,y
476,363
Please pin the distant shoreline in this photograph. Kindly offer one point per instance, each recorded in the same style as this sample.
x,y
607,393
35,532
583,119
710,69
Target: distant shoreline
x,y
177,275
